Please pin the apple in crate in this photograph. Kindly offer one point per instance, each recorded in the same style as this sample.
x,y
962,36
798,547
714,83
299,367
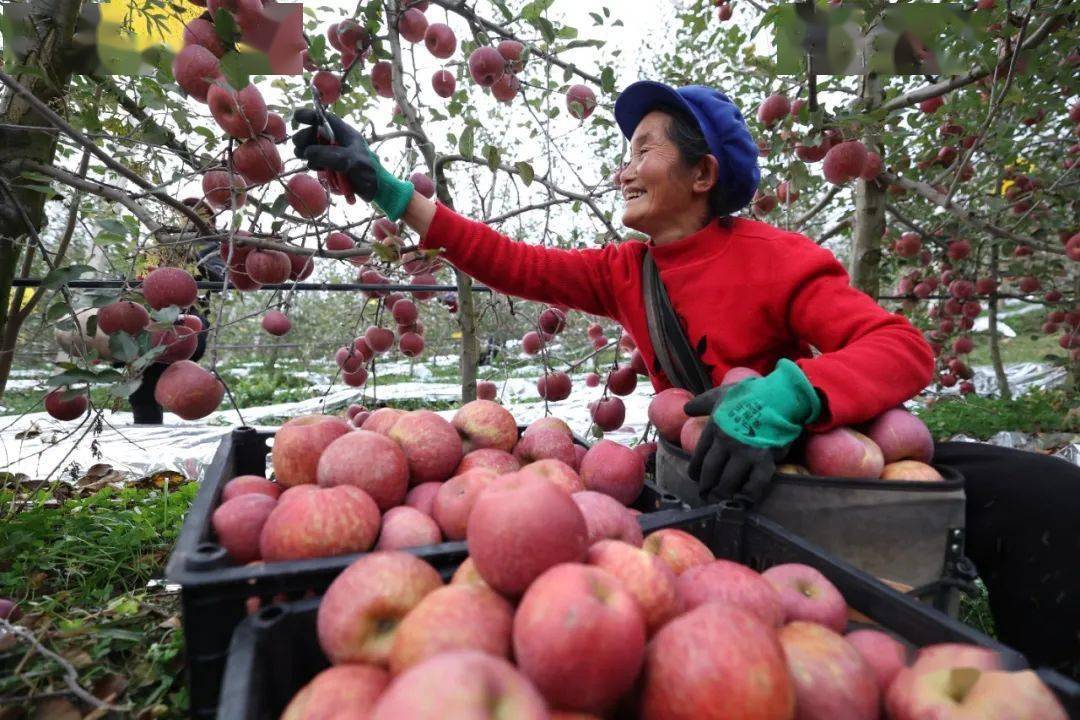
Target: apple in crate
x,y
360,612
461,684
614,470
808,595
885,655
320,523
678,548
901,436
733,584
485,424
606,518
521,526
580,637
832,681
716,662
406,527
455,617
645,576
910,470
342,691
299,443
558,472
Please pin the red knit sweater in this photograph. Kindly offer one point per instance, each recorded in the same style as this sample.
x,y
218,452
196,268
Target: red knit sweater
x,y
747,295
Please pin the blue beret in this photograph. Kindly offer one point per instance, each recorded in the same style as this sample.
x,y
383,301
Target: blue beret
x,y
720,122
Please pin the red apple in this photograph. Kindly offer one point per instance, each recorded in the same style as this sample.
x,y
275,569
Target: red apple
x,y
485,424
167,286
258,160
808,595
406,527
521,526
901,436
843,452
645,576
678,548
188,390
832,681
122,316
422,497
244,484
910,470
345,691
299,443
382,420
580,101
440,40
432,446
196,69
691,432
444,83
615,470
383,472
499,461
885,655
238,523
486,66
276,323
306,196
324,523
455,617
729,582
455,499
545,443
605,518
557,472
580,637
461,684
716,662
240,113
59,408
361,610
666,412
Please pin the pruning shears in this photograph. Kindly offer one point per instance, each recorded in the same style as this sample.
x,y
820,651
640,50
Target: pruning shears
x,y
338,181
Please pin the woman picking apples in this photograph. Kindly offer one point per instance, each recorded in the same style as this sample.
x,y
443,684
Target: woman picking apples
x,y
750,294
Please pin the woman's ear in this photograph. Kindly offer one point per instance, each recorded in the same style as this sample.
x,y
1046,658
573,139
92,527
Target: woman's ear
x,y
706,174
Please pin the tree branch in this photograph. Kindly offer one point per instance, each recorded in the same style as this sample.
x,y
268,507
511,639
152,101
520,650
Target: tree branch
x,y
930,91
965,215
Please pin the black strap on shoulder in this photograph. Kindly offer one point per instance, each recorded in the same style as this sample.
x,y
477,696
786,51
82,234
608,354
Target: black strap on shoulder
x,y
670,344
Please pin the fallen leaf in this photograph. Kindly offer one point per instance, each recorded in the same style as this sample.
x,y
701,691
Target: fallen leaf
x,y
32,431
110,687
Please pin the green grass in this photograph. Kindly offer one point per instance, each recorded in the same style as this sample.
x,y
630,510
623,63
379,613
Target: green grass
x,y
1029,345
79,572
981,417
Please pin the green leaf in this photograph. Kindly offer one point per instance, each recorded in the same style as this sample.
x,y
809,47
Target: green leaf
x,y
235,69
525,170
503,9
56,311
465,144
63,275
546,29
566,33
124,389
596,18
82,375
491,154
607,79
123,347
226,28
535,9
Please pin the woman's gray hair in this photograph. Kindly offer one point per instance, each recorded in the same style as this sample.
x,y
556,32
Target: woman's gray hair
x,y
684,132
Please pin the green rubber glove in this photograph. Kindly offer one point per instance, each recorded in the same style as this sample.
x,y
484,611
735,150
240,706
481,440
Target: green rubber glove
x,y
770,411
351,157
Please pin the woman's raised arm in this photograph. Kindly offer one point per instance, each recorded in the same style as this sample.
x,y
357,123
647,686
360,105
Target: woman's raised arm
x,y
580,279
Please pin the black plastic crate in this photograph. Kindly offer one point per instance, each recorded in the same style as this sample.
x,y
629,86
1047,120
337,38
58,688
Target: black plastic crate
x,y
276,651
214,592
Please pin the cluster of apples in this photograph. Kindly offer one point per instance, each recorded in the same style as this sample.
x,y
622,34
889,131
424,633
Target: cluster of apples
x,y
185,388
391,479
494,68
545,621
895,445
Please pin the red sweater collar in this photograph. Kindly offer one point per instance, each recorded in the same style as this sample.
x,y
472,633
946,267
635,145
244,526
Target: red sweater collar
x,y
705,241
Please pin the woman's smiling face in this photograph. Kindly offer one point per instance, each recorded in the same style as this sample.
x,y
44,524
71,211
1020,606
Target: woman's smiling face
x,y
658,189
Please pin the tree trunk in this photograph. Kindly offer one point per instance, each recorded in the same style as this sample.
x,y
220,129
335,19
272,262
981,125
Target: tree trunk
x,y
869,225
995,344
48,33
